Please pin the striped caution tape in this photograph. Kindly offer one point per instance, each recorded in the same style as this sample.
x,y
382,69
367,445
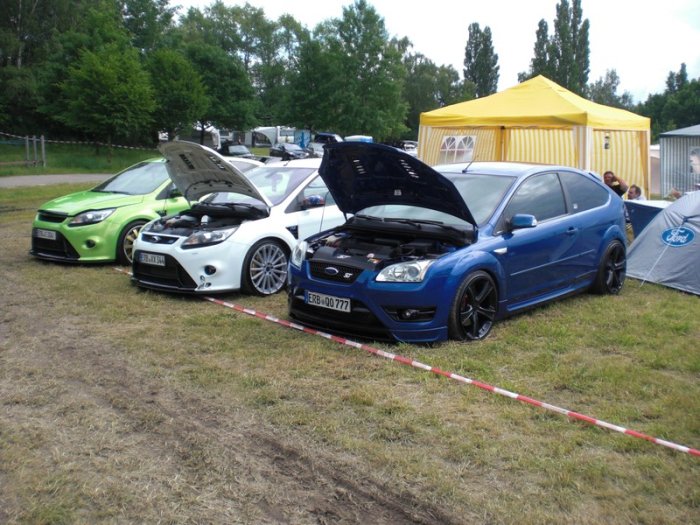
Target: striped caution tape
x,y
462,379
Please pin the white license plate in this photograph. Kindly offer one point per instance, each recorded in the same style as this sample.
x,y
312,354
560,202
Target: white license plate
x,y
46,234
339,304
152,259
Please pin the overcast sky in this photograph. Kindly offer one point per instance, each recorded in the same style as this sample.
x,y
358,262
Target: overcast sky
x,y
642,41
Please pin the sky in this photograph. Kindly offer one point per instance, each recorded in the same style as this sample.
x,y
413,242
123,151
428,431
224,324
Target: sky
x,y
641,41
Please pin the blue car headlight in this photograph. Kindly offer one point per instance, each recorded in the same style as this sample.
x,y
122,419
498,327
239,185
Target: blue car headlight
x,y
91,217
405,272
207,238
298,254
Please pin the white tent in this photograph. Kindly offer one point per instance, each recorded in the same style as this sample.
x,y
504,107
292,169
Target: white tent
x,y
667,251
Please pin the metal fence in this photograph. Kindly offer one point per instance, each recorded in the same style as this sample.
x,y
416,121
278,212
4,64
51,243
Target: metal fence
x,y
34,149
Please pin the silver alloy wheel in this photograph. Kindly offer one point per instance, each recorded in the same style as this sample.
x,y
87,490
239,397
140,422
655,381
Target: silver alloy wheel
x,y
268,268
125,246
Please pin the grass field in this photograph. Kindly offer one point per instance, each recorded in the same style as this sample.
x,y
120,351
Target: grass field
x,y
127,406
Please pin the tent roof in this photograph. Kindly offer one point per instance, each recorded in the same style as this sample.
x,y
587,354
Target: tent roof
x,y
692,131
535,102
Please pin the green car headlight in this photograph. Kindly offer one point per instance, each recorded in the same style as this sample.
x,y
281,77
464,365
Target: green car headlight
x,y
91,217
405,272
207,238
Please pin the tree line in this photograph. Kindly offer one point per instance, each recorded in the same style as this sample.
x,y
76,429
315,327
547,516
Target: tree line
x,y
120,71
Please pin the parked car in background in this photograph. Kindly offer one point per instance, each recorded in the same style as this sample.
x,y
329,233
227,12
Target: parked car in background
x,y
444,252
240,230
288,151
231,149
101,224
315,147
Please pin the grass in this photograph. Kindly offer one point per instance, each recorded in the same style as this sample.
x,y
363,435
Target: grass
x,y
632,360
79,158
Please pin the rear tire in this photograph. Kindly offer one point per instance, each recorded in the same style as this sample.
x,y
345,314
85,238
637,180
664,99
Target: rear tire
x,y
612,270
265,268
474,308
125,243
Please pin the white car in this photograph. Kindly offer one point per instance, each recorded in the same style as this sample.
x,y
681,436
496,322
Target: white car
x,y
240,231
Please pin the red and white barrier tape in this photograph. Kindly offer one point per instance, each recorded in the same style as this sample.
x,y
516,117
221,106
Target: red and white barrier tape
x,y
417,364
484,386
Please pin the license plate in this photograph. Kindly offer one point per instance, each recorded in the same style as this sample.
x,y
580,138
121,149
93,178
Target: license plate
x,y
46,234
339,304
153,259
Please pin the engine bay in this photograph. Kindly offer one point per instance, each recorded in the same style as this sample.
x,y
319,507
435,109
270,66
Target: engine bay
x,y
369,250
208,217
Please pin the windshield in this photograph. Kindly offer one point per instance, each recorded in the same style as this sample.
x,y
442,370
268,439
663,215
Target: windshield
x,y
274,182
412,213
141,179
482,193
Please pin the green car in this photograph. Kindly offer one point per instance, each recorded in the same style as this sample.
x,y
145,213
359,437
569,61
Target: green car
x,y
100,225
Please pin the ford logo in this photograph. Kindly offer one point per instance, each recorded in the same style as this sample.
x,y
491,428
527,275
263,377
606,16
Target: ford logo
x,y
331,270
677,237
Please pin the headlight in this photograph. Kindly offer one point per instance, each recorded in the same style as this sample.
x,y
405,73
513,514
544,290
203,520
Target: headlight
x,y
91,217
405,272
298,254
207,238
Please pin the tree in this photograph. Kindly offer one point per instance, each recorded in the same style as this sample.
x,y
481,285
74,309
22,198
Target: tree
x,y
108,95
146,21
231,96
480,61
370,101
565,56
604,91
181,96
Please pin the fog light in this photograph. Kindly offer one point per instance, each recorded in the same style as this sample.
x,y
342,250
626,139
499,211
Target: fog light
x,y
90,243
407,315
209,269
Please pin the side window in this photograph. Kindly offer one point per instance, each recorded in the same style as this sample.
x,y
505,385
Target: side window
x,y
583,194
316,191
540,195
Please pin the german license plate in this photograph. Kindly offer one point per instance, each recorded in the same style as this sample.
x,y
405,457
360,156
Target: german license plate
x,y
153,259
339,304
45,234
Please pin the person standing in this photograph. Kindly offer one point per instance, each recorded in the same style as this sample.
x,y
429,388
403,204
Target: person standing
x,y
615,183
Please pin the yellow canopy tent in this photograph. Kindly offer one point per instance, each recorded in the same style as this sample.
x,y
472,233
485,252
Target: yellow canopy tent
x,y
539,121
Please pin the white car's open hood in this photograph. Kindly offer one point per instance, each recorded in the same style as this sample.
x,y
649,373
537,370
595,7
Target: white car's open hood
x,y
197,171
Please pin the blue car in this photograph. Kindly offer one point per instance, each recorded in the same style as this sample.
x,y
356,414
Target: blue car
x,y
444,252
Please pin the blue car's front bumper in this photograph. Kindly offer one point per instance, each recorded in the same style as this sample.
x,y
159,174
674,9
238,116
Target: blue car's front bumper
x,y
411,312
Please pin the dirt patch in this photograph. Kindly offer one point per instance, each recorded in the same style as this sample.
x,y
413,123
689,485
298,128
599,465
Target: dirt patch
x,y
96,437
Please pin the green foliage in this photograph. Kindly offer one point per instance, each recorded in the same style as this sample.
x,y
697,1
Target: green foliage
x,y
108,95
604,91
480,61
181,98
565,56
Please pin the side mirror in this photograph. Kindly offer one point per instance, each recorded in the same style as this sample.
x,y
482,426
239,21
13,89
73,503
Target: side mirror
x,y
312,201
174,193
521,220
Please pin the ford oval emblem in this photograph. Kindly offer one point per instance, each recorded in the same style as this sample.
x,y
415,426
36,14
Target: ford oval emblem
x,y
678,237
331,270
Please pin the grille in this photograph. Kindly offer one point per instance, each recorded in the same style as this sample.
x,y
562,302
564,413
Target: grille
x,y
360,322
158,239
334,272
56,249
49,216
172,276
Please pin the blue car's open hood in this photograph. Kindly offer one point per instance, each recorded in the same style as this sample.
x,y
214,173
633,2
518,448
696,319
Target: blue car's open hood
x,y
360,175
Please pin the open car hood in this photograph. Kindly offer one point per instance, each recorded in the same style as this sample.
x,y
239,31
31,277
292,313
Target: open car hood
x,y
360,175
197,171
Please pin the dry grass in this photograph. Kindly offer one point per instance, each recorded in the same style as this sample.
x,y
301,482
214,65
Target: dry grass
x,y
120,405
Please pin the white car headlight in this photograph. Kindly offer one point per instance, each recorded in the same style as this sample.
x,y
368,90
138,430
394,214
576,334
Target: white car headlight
x,y
91,217
405,272
207,238
298,254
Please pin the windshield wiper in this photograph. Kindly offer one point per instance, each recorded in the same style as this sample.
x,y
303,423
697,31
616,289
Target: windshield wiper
x,y
368,217
417,224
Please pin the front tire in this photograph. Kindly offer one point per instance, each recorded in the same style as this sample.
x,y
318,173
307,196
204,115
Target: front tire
x,y
125,243
265,268
474,308
612,270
